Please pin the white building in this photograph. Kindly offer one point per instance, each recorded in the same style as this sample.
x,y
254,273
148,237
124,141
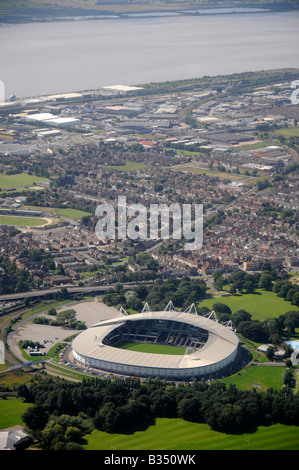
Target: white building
x,y
216,345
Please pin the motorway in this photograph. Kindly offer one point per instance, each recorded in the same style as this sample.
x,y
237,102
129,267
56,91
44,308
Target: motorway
x,y
70,289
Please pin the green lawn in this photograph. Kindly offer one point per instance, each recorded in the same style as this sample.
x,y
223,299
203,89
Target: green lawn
x,y
288,131
172,434
19,180
177,434
261,304
71,213
22,221
151,348
67,212
257,145
11,411
129,166
211,172
257,376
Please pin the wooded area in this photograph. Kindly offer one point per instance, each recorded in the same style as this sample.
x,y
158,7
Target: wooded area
x,y
64,412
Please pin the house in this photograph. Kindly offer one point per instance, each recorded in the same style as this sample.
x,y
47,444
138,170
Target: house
x,y
148,144
57,280
11,438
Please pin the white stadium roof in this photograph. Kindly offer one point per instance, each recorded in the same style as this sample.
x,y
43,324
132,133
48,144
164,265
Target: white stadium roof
x,y
222,343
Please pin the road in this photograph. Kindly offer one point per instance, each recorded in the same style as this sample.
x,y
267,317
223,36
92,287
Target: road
x,y
71,290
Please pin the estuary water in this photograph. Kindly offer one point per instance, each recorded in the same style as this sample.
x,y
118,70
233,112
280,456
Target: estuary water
x,y
54,57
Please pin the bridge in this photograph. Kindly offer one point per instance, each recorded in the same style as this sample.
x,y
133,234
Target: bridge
x,y
70,289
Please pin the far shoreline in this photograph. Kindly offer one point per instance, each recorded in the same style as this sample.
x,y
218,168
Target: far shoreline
x,y
139,11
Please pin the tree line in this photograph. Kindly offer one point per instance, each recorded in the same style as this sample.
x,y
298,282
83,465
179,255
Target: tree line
x,y
62,412
182,292
65,318
271,330
266,279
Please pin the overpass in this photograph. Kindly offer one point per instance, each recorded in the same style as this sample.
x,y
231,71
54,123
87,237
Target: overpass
x,y
71,290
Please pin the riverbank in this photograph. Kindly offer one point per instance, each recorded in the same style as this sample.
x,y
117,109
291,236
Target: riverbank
x,y
14,12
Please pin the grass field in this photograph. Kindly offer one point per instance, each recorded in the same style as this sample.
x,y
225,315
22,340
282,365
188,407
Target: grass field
x,y
21,221
11,411
129,166
67,212
18,180
172,434
259,377
177,434
261,304
288,132
151,348
71,213
189,167
257,145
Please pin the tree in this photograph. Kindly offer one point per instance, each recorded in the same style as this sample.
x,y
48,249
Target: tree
x,y
288,378
35,417
249,287
233,289
73,446
73,434
253,330
273,327
51,435
23,392
217,273
240,316
60,270
62,294
295,299
291,321
66,316
265,282
231,418
221,308
189,409
270,353
218,283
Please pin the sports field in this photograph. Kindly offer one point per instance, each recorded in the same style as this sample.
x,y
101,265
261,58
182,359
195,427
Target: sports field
x,y
72,213
18,180
151,348
67,212
22,221
177,434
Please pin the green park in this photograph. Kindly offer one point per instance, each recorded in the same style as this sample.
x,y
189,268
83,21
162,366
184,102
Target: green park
x,y
19,180
261,304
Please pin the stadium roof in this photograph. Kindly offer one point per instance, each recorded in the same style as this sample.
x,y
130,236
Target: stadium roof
x,y
221,343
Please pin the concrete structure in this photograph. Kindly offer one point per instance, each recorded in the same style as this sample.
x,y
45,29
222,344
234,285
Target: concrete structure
x,y
210,346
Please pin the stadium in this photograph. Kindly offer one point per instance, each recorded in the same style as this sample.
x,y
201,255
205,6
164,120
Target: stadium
x,y
209,346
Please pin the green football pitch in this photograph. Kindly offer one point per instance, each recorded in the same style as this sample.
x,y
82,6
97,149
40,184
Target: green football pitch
x,y
151,348
22,221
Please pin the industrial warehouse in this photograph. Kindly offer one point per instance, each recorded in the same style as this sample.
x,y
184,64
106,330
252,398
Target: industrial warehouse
x,y
209,345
